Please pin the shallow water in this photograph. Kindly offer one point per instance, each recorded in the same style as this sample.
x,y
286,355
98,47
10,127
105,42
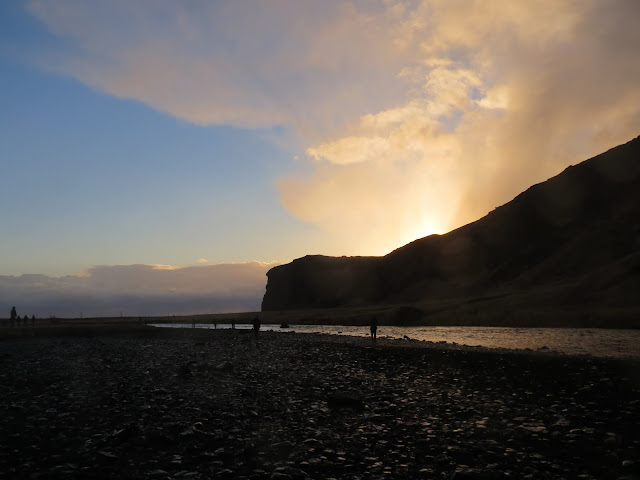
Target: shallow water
x,y
572,341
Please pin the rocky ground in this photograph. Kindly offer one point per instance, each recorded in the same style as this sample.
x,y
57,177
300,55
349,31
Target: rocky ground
x,y
199,404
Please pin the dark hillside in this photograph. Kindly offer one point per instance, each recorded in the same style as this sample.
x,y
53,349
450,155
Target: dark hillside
x,y
578,231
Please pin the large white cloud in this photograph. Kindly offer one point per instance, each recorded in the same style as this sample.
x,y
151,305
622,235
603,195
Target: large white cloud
x,y
504,94
250,64
418,115
135,290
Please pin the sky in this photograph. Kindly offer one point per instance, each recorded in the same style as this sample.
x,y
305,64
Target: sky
x,y
166,142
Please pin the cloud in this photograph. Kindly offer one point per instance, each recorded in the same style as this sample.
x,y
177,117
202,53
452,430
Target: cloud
x,y
418,116
137,290
501,95
249,64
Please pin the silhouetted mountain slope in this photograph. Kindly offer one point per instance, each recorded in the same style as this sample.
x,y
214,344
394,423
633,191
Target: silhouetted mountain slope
x,y
577,233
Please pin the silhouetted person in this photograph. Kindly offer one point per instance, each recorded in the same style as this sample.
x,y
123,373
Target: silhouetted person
x,y
25,320
33,321
256,326
14,316
233,324
374,329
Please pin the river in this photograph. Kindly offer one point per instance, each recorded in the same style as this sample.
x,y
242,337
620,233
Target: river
x,y
571,341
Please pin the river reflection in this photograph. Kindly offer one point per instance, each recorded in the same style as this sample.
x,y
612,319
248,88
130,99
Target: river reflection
x,y
572,341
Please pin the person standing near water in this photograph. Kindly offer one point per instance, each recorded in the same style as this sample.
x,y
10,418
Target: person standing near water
x,y
14,315
256,326
374,328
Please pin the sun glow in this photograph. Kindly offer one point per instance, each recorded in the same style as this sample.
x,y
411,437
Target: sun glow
x,y
421,231
419,123
427,230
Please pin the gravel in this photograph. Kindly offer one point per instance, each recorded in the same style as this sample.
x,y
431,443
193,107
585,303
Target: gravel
x,y
200,404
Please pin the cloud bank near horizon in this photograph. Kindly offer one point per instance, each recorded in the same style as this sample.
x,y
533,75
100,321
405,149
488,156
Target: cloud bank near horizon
x,y
417,116
138,290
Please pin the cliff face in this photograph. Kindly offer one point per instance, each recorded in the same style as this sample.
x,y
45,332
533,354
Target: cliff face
x,y
317,281
579,228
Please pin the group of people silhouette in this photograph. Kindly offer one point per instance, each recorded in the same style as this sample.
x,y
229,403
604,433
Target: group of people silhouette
x,y
14,319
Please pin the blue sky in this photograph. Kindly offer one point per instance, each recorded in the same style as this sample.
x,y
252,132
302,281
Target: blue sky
x,y
90,174
93,179
157,134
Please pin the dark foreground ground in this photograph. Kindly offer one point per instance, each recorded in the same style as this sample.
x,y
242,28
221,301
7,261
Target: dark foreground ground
x,y
199,404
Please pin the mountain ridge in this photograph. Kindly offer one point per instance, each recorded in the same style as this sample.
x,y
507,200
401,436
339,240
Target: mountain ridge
x,y
577,232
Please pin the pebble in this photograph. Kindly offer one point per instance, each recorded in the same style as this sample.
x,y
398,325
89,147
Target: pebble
x,y
104,407
158,474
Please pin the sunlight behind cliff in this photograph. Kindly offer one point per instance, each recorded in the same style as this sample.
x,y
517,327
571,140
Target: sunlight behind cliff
x,y
413,117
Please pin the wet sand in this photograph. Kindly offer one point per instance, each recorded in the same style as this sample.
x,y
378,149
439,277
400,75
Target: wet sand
x,y
199,404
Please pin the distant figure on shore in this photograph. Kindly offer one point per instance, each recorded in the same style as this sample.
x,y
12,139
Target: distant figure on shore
x,y
374,329
233,324
14,316
256,326
193,323
25,321
33,321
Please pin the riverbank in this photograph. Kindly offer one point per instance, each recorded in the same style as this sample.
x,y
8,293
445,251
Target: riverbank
x,y
193,403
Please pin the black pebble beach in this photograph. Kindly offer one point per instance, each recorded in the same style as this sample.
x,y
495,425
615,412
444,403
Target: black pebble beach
x,y
200,404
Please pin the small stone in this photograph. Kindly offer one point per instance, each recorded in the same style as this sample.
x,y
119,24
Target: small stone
x,y
108,455
224,366
442,458
287,472
157,474
282,450
280,476
478,474
185,474
345,399
610,441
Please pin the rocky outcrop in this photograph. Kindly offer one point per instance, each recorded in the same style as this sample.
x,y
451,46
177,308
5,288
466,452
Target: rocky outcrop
x,y
316,281
579,230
